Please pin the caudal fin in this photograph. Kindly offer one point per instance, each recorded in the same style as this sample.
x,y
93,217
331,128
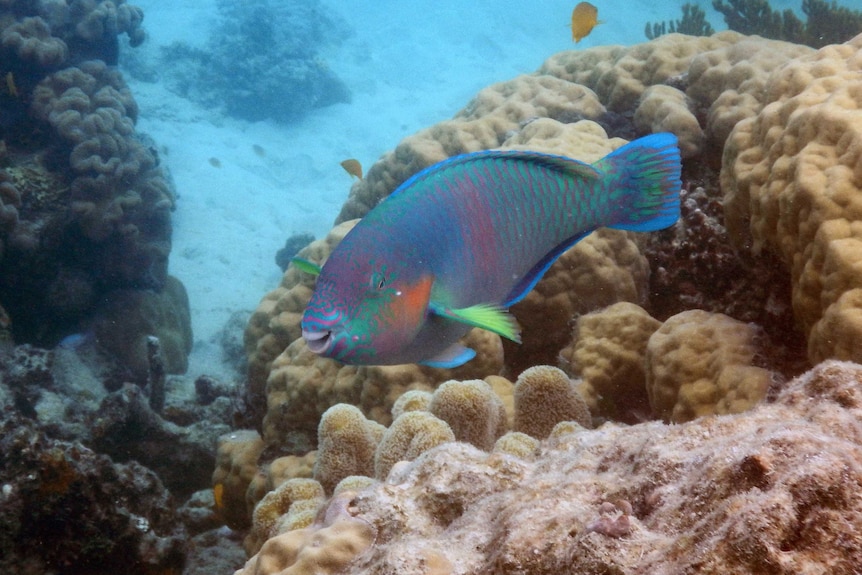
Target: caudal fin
x,y
647,182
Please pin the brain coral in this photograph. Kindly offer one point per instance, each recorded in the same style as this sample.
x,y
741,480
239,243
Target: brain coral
x,y
792,177
772,490
699,363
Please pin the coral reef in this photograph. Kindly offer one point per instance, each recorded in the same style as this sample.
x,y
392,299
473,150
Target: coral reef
x,y
825,24
693,23
545,396
328,546
706,324
100,516
790,179
608,353
84,205
774,489
698,363
262,60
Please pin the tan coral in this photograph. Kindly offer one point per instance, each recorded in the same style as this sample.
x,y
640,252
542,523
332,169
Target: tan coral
x,y
791,178
770,490
545,396
473,411
346,445
608,353
293,505
619,75
302,385
236,467
412,434
666,109
701,363
271,475
602,269
328,546
31,40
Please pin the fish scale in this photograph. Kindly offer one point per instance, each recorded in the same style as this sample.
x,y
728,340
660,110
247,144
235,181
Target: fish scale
x,y
464,239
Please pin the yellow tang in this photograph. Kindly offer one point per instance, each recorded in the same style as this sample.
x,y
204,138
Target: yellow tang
x,y
584,19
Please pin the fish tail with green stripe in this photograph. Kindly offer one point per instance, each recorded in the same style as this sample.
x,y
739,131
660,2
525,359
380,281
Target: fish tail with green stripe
x,y
647,174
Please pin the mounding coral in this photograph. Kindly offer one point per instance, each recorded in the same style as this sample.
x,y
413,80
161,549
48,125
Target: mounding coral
x,y
703,326
774,489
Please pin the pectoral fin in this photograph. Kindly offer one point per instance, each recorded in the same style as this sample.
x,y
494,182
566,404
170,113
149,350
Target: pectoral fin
x,y
306,266
484,315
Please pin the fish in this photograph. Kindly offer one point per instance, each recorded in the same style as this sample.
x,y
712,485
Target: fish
x,y
258,149
11,87
352,167
457,244
584,19
215,162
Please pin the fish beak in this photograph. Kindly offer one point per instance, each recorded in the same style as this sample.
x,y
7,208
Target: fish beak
x,y
317,341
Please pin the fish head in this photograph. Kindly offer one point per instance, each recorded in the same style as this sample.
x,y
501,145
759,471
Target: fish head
x,y
365,314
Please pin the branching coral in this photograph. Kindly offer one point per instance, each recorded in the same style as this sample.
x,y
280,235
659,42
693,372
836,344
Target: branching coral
x,y
826,23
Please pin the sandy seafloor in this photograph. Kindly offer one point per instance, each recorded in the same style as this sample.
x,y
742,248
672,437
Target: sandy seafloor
x,y
409,64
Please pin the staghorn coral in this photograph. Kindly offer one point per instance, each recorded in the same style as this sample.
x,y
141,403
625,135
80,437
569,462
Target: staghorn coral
x,y
791,178
774,489
608,352
826,23
699,363
545,396
693,22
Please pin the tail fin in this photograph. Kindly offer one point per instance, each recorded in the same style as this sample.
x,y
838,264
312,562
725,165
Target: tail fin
x,y
649,182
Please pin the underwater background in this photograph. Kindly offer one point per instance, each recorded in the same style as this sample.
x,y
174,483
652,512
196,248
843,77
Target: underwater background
x,y
687,401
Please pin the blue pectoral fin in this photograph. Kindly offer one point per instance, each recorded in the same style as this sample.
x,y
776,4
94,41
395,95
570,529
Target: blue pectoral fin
x,y
453,356
484,315
306,266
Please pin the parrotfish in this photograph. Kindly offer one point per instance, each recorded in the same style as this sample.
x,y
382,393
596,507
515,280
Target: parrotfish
x,y
461,241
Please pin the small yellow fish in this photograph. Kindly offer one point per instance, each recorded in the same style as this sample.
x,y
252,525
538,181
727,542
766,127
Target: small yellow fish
x,y
584,19
259,150
352,167
215,162
218,496
10,85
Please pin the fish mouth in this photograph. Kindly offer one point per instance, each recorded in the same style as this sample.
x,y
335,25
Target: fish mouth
x,y
317,341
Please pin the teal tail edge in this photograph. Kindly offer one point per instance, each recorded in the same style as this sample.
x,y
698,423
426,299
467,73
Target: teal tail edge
x,y
650,171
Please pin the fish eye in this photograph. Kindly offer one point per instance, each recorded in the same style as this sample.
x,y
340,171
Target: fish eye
x,y
378,281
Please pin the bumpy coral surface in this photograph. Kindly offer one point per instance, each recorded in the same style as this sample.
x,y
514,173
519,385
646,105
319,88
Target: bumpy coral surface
x,y
792,179
700,363
608,352
773,490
